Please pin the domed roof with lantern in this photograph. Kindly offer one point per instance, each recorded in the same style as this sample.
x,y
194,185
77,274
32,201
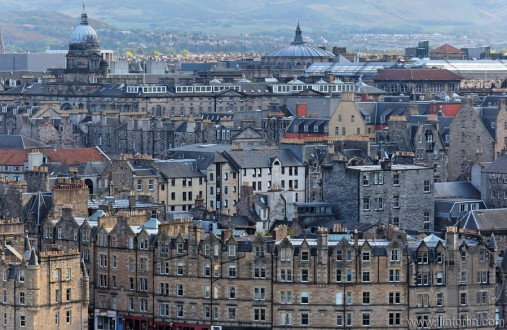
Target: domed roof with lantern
x,y
298,49
84,33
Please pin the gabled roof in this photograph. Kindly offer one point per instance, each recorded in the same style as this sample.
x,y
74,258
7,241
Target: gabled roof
x,y
76,156
485,220
13,157
416,74
447,49
498,166
456,190
19,142
262,158
178,168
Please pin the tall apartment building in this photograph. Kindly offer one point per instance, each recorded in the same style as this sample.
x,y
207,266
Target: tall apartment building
x,y
263,169
401,195
147,273
40,290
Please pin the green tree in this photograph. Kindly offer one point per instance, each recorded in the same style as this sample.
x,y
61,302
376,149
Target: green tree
x,y
129,54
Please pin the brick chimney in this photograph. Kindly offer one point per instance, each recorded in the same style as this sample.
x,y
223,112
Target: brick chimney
x,y
301,110
226,235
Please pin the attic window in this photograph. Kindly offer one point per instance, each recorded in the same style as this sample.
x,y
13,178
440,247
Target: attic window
x,y
305,255
232,250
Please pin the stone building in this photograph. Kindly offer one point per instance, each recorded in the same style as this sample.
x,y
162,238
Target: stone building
x,y
42,290
494,183
471,139
446,52
181,184
347,119
145,273
417,82
401,195
423,137
264,169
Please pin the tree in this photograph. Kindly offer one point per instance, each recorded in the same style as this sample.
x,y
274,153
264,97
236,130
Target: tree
x,y
129,54
155,53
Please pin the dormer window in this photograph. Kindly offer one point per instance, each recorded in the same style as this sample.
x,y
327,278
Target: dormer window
x,y
305,255
143,244
394,255
366,256
422,258
179,248
232,250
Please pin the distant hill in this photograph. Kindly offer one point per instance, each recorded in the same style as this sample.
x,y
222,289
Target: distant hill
x,y
468,16
37,24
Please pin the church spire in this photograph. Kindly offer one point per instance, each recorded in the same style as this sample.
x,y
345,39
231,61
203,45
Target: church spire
x,y
298,38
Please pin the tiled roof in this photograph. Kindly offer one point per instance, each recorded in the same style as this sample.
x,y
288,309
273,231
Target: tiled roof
x,y
448,49
416,74
75,156
13,157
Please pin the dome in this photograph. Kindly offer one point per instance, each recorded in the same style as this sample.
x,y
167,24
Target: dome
x,y
299,49
83,33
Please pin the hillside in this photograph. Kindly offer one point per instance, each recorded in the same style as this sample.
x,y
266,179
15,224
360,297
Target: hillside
x,y
469,16
36,25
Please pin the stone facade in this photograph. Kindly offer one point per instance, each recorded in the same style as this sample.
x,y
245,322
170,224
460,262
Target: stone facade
x,y
392,194
470,141
178,274
346,119
44,290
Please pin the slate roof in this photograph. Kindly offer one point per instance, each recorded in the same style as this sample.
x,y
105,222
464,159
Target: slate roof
x,y
498,166
262,158
488,116
178,168
19,142
86,169
109,90
485,220
203,153
416,74
322,106
492,100
312,125
456,190
38,206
